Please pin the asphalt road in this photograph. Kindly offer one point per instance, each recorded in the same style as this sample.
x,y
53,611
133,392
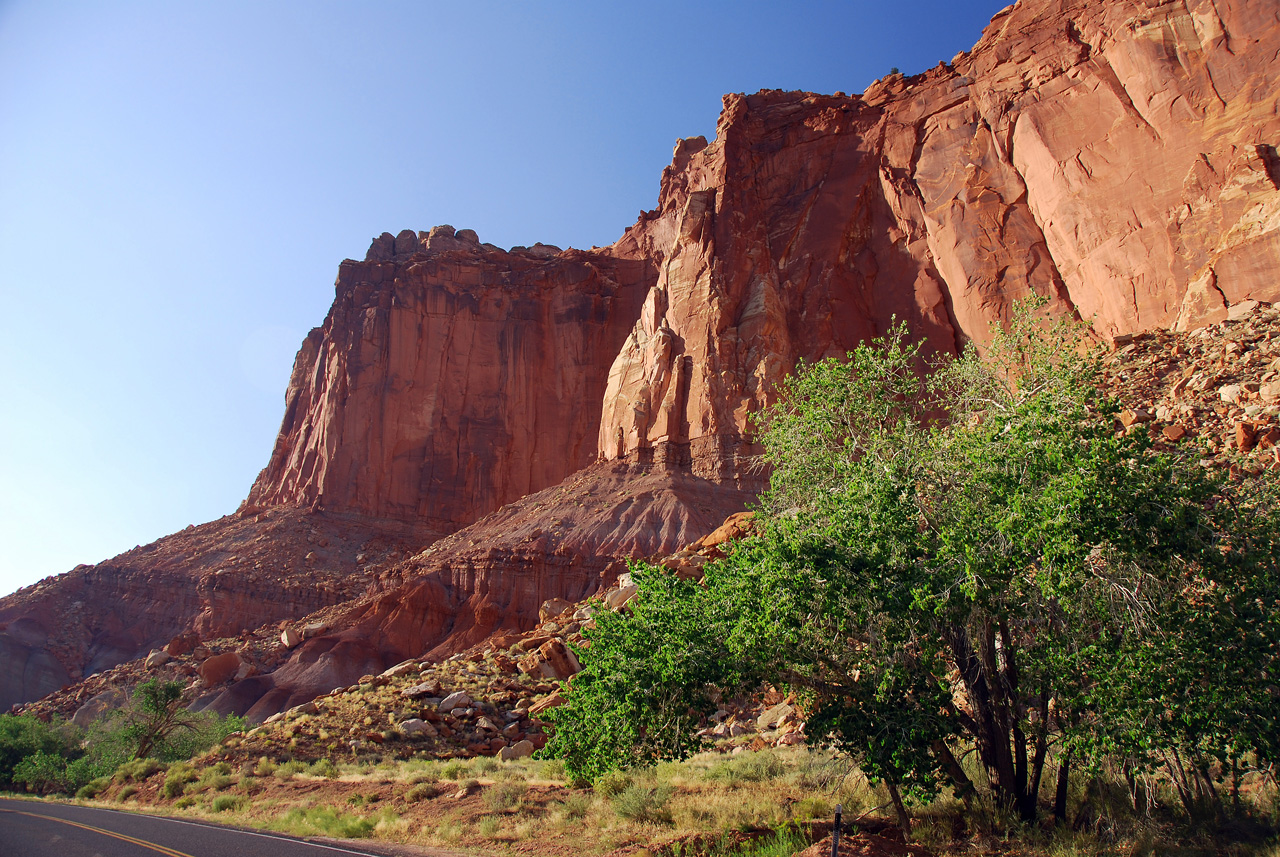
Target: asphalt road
x,y
35,829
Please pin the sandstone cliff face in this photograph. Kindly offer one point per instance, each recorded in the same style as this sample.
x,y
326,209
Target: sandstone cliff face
x,y
449,379
1118,158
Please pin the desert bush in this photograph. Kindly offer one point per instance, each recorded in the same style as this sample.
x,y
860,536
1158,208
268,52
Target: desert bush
x,y
176,780
127,792
185,802
504,796
286,771
453,770
575,806
612,783
421,791
751,767
644,804
264,767
93,788
810,808
323,768
136,770
224,803
326,821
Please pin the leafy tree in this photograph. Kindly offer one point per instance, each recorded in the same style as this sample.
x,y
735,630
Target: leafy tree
x,y
158,725
970,557
22,736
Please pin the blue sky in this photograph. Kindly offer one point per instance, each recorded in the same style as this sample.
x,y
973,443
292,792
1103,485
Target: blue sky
x,y
179,181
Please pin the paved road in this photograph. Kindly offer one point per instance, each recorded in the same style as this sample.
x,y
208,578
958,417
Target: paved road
x,y
33,829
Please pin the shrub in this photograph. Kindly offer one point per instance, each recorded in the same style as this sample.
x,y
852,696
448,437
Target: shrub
x,y
747,767
421,791
126,793
185,802
41,772
136,770
264,767
286,771
484,765
575,806
612,783
223,803
328,822
453,770
643,804
504,796
177,779
809,808
323,768
93,788
23,736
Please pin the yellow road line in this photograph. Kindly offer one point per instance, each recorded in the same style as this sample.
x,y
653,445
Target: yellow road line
x,y
169,852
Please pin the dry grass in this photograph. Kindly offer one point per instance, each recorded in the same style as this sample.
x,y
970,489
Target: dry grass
x,y
712,805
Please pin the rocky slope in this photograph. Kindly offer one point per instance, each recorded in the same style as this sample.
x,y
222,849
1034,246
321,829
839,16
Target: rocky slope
x,y
556,411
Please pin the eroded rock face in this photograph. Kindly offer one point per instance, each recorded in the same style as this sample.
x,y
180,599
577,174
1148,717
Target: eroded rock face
x,y
1118,159
218,579
444,385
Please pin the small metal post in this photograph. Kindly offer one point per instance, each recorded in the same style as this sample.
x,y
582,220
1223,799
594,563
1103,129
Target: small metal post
x,y
835,833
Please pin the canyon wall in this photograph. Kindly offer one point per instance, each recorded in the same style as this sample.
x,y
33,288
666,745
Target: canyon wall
x,y
1116,158
450,378
538,414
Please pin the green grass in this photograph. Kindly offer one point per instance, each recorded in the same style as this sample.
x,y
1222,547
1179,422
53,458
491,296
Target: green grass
x,y
325,821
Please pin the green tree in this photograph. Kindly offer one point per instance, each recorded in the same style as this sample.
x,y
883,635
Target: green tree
x,y
968,557
22,736
157,725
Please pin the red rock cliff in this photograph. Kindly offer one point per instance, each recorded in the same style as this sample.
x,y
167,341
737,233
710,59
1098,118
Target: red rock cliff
x,y
450,378
1118,158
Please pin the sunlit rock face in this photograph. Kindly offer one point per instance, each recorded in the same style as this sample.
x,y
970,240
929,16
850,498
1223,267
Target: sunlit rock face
x,y
1118,158
539,414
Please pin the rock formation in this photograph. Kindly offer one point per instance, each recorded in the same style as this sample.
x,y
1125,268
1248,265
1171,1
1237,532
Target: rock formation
x,y
525,419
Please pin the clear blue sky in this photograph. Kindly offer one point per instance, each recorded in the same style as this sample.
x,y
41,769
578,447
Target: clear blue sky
x,y
178,182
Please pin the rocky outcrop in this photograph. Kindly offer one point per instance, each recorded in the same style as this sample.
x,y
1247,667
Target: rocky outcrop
x,y
218,579
568,542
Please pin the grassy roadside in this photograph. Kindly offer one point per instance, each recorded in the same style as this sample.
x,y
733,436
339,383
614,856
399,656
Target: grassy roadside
x,y
765,803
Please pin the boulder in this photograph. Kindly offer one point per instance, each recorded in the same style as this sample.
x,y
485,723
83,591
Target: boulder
x,y
417,728
553,608
290,638
519,750
457,699
183,644
156,659
98,705
220,668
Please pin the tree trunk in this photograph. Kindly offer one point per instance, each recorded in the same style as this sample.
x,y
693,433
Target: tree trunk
x,y
900,810
1060,793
